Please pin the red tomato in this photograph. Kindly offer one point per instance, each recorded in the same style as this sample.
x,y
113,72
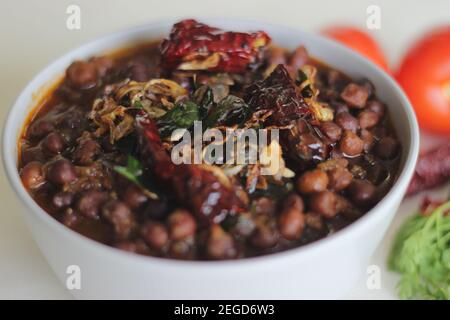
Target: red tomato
x,y
359,41
424,74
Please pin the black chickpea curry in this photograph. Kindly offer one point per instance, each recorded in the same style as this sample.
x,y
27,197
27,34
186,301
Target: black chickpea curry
x,y
96,153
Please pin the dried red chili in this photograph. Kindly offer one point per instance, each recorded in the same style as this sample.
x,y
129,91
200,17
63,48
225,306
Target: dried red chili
x,y
432,169
428,205
194,42
278,93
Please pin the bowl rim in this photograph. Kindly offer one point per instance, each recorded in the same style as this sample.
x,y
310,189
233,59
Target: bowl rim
x,y
9,140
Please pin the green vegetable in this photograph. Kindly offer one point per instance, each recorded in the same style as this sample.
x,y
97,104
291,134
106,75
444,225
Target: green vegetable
x,y
421,253
182,115
138,105
230,110
133,170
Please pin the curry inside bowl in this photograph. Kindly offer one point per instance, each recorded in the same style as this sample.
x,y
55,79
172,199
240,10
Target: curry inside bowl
x,y
330,177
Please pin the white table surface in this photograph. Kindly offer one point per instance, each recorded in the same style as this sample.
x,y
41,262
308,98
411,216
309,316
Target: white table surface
x,y
33,33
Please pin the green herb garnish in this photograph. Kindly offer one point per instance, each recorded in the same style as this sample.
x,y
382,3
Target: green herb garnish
x,y
421,253
132,171
138,105
230,110
182,115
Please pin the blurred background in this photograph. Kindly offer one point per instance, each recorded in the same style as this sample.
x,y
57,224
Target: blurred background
x,y
34,33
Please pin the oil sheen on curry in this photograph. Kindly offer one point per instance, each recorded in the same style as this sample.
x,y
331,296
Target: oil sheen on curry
x,y
96,155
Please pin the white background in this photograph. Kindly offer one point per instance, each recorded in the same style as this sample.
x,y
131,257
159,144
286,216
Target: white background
x,y
33,33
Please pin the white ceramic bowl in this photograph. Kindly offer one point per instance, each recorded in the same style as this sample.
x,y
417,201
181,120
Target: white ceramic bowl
x,y
324,269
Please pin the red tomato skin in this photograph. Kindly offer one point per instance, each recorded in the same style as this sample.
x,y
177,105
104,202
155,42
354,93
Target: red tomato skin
x,y
424,74
360,42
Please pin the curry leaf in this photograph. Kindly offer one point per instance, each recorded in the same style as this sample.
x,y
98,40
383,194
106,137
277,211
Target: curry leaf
x,y
181,116
138,105
132,171
230,110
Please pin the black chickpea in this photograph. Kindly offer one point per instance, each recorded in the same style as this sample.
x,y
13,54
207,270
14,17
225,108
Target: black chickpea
x,y
182,249
30,154
331,130
376,106
86,152
70,218
346,121
314,220
263,206
312,181
294,201
82,74
368,86
62,199
334,78
155,209
120,216
128,246
264,237
368,119
310,147
291,223
387,148
339,178
350,144
220,244
54,143
181,224
367,138
135,246
41,128
61,171
340,107
355,95
32,175
138,70
244,225
102,64
89,203
155,234
325,203
362,192
134,197
377,174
